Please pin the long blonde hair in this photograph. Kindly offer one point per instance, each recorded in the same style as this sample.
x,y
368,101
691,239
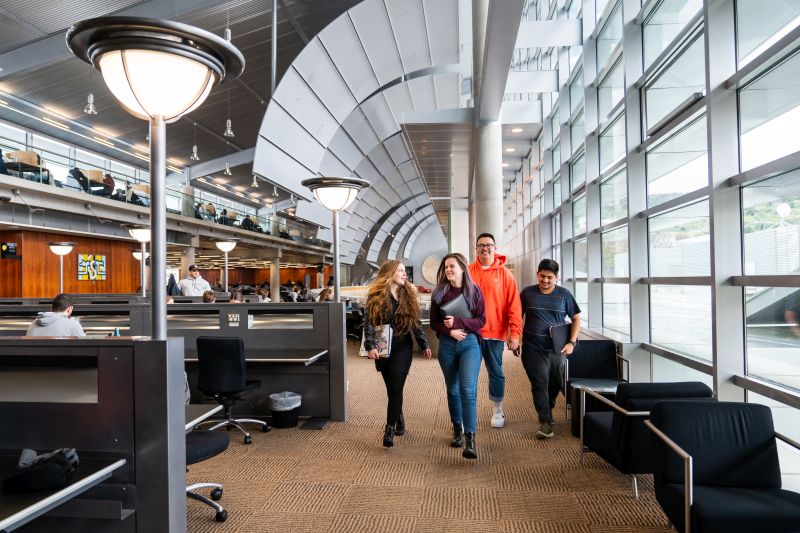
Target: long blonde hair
x,y
379,303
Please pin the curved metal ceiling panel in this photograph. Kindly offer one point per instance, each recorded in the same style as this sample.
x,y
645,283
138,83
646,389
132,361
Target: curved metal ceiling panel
x,y
330,100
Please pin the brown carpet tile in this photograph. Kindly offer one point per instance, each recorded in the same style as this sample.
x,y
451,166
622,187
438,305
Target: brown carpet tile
x,y
341,479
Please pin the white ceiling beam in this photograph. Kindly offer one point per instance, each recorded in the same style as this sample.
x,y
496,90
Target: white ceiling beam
x,y
442,116
519,113
502,26
549,33
211,166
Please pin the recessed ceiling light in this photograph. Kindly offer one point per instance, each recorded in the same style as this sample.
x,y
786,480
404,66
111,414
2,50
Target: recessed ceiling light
x,y
505,164
516,130
509,150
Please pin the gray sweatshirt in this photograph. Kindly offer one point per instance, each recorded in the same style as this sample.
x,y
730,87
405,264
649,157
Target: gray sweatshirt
x,y
50,324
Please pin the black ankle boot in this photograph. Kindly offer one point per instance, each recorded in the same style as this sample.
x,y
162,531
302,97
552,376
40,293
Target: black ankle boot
x,y
458,436
469,450
400,427
388,436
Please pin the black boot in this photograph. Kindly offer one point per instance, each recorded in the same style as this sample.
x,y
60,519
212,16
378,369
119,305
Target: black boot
x,y
400,427
469,450
458,436
388,436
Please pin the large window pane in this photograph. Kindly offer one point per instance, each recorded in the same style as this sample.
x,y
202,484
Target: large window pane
x,y
787,422
578,171
665,370
771,220
773,334
582,299
614,245
579,215
614,198
581,258
757,28
556,158
679,242
679,164
557,192
611,90
664,23
680,319
609,36
769,110
675,84
555,125
576,92
577,133
616,307
612,143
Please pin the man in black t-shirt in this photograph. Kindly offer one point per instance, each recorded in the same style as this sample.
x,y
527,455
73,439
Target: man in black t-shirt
x,y
545,305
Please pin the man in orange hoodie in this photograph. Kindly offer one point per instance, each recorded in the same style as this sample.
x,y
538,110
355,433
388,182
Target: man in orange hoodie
x,y
503,317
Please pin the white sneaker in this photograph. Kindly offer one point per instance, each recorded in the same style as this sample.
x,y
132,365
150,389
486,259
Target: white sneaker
x,y
498,417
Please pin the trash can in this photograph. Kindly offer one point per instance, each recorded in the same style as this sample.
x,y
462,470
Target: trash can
x,y
285,408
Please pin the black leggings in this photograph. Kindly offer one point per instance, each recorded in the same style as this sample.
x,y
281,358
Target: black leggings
x,y
395,381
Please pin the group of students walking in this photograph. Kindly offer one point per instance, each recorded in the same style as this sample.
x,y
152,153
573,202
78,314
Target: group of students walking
x,y
476,313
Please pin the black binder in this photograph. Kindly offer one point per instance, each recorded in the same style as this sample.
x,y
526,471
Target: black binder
x,y
457,307
560,335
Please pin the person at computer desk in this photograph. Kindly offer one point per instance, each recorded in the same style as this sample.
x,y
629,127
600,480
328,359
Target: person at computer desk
x,y
392,300
57,322
194,284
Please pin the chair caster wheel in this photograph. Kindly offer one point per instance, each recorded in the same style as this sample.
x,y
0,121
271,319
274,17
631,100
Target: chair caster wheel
x,y
216,494
221,516
265,428
248,439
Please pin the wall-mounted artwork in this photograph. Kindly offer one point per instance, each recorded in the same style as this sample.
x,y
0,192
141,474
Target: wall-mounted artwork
x,y
91,267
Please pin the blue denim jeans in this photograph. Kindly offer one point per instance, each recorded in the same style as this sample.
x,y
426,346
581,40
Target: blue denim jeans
x,y
461,362
492,350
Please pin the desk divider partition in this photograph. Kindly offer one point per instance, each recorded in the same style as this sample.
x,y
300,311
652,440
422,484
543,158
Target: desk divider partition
x,y
272,334
132,408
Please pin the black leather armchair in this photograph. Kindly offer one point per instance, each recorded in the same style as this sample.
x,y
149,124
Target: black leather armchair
x,y
715,468
594,364
619,435
202,445
221,375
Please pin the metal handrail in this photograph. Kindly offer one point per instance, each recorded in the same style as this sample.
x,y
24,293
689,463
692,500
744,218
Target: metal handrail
x,y
688,481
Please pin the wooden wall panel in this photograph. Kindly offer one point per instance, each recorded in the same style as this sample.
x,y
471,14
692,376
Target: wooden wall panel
x,y
40,266
11,269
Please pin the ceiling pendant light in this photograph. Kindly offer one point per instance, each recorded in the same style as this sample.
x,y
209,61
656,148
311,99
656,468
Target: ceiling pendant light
x,y
227,33
194,156
228,130
294,201
255,182
275,190
90,109
227,171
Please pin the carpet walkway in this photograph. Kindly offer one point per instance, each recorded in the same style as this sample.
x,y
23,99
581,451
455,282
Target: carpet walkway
x,y
341,479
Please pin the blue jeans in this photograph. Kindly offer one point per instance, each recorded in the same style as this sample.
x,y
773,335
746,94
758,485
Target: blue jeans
x,y
461,362
492,350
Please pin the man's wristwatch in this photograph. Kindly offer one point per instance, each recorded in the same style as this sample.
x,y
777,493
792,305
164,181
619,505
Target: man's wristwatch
x,y
572,342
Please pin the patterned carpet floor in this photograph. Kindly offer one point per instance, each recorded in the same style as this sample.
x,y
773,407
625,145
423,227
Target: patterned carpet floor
x,y
341,479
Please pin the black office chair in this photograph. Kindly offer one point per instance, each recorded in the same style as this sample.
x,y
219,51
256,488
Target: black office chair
x,y
221,375
202,445
594,364
619,436
715,468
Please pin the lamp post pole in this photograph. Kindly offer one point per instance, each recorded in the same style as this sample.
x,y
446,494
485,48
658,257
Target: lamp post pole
x,y
336,255
226,272
60,274
158,224
142,275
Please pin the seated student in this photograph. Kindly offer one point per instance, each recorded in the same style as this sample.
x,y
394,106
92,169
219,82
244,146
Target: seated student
x,y
326,295
108,186
237,297
209,297
211,211
57,321
200,211
224,218
76,174
3,169
263,295
247,223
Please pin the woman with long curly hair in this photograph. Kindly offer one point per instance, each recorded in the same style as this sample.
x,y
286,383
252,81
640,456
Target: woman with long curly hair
x,y
459,347
392,299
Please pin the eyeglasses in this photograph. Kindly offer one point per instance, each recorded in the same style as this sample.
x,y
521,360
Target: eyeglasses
x,y
485,245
